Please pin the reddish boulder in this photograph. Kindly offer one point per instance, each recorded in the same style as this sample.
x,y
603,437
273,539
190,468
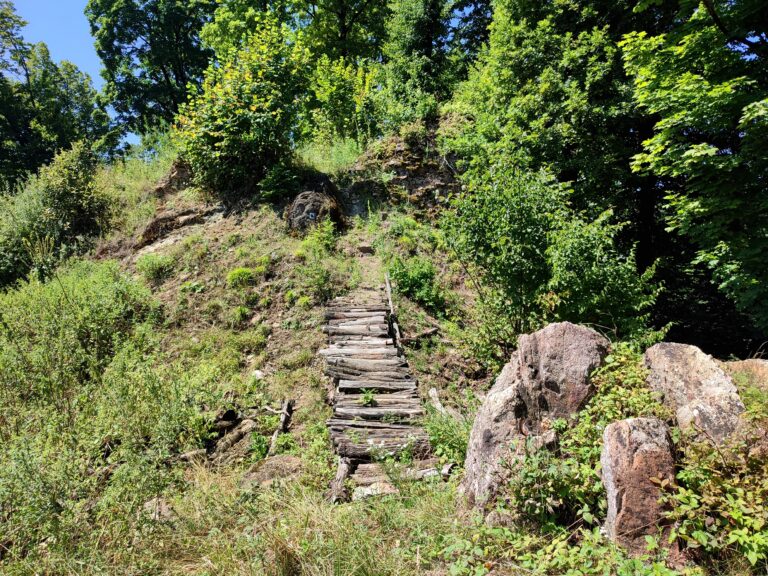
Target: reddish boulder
x,y
637,453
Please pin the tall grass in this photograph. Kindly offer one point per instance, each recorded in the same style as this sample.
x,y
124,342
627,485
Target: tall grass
x,y
330,158
129,182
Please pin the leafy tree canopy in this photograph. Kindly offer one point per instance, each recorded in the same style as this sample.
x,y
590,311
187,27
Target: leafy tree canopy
x,y
706,82
44,107
151,51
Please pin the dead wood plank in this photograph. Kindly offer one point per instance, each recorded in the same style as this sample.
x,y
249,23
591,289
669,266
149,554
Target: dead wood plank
x,y
345,373
377,330
286,411
377,319
350,449
331,315
341,423
342,307
353,385
400,413
381,399
341,340
351,350
338,490
363,364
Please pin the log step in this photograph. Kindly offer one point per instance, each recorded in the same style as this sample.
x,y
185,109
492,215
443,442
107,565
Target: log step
x,y
348,386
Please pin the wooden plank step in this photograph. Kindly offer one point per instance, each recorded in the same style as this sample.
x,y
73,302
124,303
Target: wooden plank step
x,y
343,340
361,342
417,445
361,353
344,373
376,330
347,386
367,364
369,473
397,413
380,399
365,320
334,349
368,309
342,315
344,423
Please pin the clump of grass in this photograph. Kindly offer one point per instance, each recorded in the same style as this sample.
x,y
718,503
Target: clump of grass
x,y
241,277
155,268
128,183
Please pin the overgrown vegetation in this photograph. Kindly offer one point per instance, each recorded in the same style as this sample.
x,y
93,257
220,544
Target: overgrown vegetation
x,y
604,156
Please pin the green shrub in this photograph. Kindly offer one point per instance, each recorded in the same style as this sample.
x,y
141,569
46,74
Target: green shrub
x,y
416,277
82,386
719,504
241,277
55,215
155,267
56,335
538,260
241,124
344,105
448,436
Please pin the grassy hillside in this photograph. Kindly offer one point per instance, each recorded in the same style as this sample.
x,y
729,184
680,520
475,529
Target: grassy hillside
x,y
122,368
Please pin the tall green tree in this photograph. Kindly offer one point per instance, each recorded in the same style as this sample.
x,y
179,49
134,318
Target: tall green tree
x,y
348,29
706,83
469,30
45,106
339,29
551,89
415,73
151,51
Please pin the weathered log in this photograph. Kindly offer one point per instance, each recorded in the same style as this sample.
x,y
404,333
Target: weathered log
x,y
375,330
341,424
400,413
245,427
363,364
331,315
381,399
286,411
345,373
356,385
338,490
340,340
364,353
420,335
378,319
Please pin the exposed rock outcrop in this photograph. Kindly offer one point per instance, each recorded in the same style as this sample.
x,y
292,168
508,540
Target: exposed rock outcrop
x,y
695,387
178,178
170,220
548,377
637,452
311,207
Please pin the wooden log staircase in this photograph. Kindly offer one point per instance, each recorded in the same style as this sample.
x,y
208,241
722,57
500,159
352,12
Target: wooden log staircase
x,y
377,410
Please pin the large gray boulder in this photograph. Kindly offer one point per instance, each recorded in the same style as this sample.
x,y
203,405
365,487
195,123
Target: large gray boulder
x,y
547,378
693,385
637,453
